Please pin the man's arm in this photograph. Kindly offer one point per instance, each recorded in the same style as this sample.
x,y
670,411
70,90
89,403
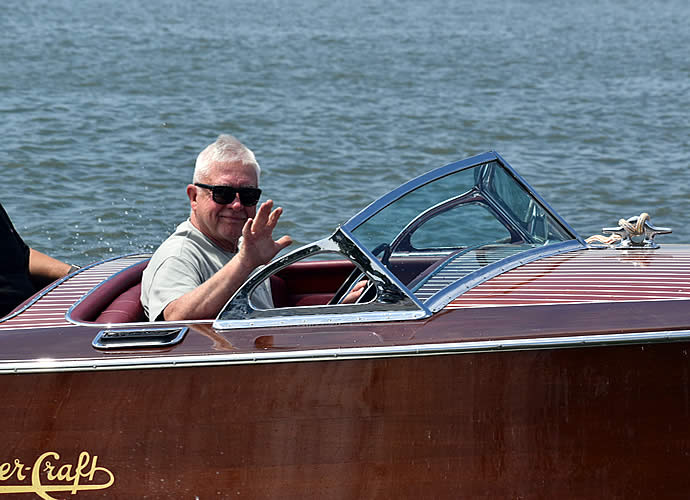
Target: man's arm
x,y
207,299
258,248
45,269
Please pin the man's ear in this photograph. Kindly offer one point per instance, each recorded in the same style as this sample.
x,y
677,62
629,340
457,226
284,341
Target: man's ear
x,y
192,194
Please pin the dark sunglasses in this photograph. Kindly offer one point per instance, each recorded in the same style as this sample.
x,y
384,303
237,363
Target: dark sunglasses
x,y
224,195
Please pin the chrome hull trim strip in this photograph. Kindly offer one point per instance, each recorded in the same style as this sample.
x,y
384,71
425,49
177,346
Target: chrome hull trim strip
x,y
320,319
438,349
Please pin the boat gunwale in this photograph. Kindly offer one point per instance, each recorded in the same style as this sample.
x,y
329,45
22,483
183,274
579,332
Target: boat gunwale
x,y
344,354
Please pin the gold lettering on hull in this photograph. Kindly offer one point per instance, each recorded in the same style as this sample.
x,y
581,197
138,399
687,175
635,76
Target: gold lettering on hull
x,y
48,477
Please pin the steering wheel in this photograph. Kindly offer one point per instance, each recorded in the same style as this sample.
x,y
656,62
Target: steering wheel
x,y
354,277
357,275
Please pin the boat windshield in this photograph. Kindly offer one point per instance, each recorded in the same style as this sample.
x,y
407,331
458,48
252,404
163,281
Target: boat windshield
x,y
417,248
484,213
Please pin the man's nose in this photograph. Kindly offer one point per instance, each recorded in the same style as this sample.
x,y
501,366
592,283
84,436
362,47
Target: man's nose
x,y
236,203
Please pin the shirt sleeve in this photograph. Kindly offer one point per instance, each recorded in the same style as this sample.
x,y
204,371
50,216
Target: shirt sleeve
x,y
171,280
15,281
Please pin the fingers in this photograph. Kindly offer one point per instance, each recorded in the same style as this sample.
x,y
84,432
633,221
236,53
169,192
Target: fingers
x,y
265,218
262,215
284,242
247,228
262,225
273,218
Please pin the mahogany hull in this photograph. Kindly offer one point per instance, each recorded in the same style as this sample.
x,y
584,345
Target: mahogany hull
x,y
593,422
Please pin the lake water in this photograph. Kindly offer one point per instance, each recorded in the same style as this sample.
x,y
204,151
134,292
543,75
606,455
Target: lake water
x,y
104,106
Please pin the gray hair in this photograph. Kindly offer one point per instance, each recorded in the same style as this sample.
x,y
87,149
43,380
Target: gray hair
x,y
226,149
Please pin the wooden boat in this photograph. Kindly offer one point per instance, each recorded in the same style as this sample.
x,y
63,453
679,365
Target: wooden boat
x,y
496,354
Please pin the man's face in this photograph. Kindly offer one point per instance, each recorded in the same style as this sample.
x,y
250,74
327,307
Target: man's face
x,y
222,223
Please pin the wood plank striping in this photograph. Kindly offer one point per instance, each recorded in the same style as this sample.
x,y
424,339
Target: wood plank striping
x,y
586,277
50,309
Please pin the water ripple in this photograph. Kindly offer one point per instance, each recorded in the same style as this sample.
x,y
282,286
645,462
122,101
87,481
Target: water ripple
x,y
106,104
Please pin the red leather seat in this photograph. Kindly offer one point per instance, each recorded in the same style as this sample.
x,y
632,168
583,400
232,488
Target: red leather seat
x,y
126,308
115,300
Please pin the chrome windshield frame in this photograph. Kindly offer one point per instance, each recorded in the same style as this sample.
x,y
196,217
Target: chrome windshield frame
x,y
393,302
372,209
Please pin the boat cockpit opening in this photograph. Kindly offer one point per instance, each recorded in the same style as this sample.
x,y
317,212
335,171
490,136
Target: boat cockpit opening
x,y
416,248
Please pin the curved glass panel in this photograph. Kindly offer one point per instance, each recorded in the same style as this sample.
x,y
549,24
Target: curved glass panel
x,y
483,211
474,222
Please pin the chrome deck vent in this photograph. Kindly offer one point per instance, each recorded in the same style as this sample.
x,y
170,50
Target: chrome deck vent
x,y
138,338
